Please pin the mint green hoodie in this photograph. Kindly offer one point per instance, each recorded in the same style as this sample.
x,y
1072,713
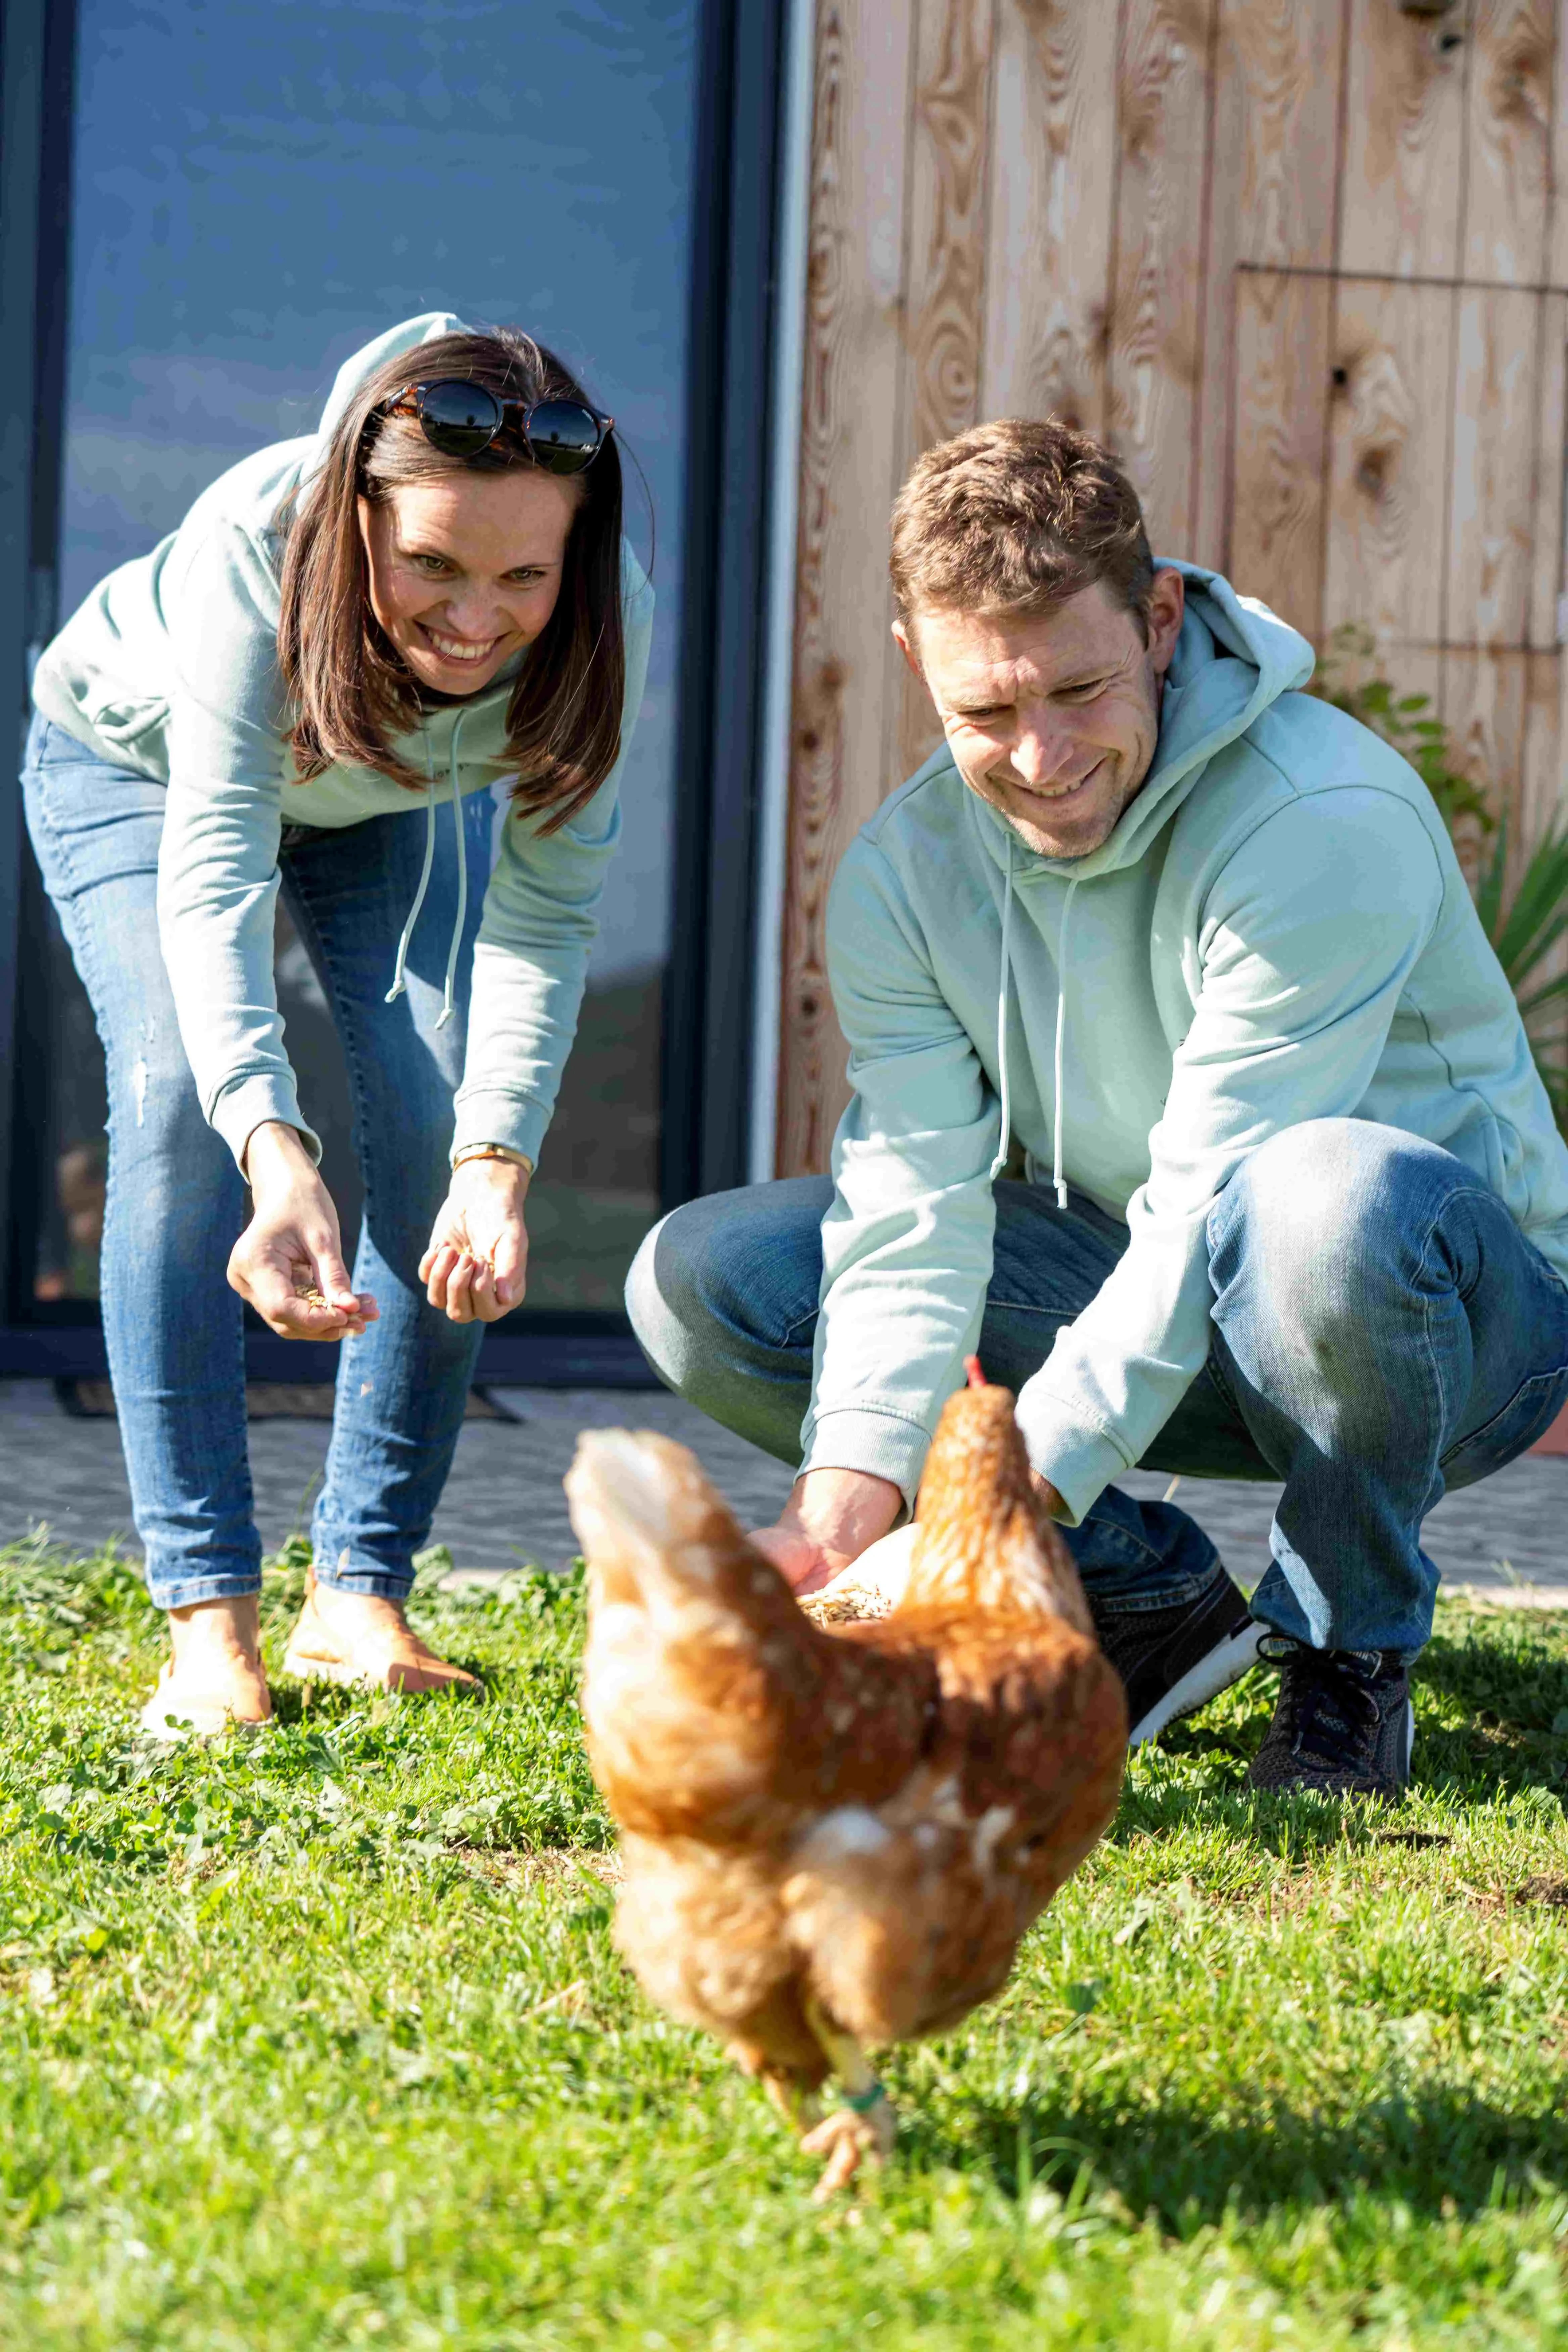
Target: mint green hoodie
x,y
1277,931
171,666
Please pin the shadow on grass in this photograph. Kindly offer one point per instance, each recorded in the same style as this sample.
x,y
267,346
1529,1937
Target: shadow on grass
x,y
1438,2151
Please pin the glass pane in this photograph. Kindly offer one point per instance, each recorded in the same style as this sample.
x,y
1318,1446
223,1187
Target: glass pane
x,y
258,190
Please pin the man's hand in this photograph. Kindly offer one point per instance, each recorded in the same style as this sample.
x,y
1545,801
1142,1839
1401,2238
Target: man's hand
x,y
288,1261
477,1264
1046,1493
830,1520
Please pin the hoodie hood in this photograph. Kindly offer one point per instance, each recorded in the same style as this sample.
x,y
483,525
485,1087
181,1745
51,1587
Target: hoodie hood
x,y
428,327
1233,658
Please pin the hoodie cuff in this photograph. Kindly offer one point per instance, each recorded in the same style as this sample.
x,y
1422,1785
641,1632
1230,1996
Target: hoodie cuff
x,y
883,1445
1080,1462
246,1104
490,1116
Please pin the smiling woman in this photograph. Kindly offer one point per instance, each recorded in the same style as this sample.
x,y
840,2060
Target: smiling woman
x,y
428,598
463,575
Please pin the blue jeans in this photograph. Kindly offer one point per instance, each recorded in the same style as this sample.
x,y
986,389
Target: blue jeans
x,y
176,1202
1383,1332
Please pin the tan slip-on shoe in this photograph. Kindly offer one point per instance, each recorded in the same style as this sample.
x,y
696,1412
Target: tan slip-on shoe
x,y
387,1655
200,1701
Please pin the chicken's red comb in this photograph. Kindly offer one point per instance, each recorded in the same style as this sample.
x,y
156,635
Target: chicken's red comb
x,y
977,1379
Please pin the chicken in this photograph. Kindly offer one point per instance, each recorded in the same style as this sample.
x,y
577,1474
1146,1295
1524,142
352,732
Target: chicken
x,y
834,1837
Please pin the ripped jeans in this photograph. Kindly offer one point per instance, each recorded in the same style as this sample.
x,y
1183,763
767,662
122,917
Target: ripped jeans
x,y
172,1327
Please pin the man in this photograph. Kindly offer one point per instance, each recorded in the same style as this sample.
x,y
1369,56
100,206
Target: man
x,y
1199,944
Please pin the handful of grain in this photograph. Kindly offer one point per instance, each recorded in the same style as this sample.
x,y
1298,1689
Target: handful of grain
x,y
871,1586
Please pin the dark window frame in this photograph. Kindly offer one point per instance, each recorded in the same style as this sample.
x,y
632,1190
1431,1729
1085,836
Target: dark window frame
x,y
709,998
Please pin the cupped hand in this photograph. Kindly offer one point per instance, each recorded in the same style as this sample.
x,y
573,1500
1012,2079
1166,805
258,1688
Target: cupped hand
x,y
288,1261
475,1267
832,1517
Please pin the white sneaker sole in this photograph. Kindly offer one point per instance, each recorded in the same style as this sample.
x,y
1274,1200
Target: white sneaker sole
x,y
1222,1666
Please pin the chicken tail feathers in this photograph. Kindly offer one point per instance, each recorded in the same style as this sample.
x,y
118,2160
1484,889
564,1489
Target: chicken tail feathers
x,y
646,1517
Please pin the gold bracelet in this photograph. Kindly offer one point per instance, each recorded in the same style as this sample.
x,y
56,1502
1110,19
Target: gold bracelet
x,y
492,1152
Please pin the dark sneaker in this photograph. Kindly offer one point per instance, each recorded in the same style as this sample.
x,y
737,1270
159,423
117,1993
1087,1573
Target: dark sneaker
x,y
1343,1722
1174,1660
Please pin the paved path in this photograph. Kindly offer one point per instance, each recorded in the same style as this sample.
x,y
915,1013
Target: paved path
x,y
504,1505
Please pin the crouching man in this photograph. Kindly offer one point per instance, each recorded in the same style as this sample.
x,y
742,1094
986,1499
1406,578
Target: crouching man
x,y
1192,950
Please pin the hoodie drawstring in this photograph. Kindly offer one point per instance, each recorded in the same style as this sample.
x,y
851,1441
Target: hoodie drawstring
x,y
1060,1119
1002,993
1004,985
453,952
399,984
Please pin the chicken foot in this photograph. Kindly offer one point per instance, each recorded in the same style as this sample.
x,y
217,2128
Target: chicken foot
x,y
867,2125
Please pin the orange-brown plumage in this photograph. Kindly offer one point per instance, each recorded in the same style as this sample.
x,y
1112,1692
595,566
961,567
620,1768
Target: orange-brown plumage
x,y
838,1832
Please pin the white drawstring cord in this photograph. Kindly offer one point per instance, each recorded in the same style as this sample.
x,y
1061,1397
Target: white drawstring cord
x,y
1060,1119
446,1006
399,983
1001,991
399,986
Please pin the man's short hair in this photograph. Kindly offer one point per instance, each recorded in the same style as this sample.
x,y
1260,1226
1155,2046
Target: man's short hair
x,y
1014,517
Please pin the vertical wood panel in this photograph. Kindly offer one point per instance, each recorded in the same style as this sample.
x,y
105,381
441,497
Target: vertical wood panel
x,y
947,182
1484,701
947,218
1276,498
1276,123
1540,794
1052,197
1388,458
1404,125
1509,142
1157,312
1550,495
847,463
1557,226
1492,500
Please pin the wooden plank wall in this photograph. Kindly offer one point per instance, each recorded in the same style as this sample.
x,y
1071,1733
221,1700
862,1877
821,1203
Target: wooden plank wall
x,y
1304,263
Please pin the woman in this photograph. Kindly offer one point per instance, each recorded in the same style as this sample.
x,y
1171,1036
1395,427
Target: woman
x,y
310,688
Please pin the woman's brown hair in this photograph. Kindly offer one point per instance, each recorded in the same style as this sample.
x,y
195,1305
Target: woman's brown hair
x,y
350,691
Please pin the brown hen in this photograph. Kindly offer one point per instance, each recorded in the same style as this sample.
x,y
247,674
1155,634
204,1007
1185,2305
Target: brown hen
x,y
838,1837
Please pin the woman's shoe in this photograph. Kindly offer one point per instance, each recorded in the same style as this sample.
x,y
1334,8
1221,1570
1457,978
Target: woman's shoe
x,y
363,1638
199,1697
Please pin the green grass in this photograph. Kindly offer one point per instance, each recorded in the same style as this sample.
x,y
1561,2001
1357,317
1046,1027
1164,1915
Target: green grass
x,y
319,2039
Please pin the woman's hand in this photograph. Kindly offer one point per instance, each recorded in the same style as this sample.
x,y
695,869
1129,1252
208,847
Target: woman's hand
x,y
476,1263
288,1261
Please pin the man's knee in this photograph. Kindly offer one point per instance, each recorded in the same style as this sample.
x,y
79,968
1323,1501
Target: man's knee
x,y
726,1278
664,1292
1327,1211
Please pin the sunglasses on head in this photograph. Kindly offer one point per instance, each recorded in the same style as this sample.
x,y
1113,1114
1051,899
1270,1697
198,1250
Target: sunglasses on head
x,y
460,419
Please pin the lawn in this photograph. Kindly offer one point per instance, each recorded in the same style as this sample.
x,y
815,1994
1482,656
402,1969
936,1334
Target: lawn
x,y
319,2038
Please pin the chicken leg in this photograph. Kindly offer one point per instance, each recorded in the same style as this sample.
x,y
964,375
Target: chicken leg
x,y
867,2125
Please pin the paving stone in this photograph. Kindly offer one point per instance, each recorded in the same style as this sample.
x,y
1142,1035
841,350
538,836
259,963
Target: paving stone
x,y
503,1505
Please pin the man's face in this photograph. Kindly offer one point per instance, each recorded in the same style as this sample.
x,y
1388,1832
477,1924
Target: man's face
x,y
1053,720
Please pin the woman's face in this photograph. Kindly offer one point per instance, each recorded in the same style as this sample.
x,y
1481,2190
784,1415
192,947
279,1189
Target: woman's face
x,y
465,568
